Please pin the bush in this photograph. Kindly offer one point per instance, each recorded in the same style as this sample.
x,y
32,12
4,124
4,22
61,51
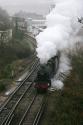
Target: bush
x,y
2,87
77,62
12,51
7,71
66,107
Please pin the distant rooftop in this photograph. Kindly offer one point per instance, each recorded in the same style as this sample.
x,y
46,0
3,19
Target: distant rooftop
x,y
29,15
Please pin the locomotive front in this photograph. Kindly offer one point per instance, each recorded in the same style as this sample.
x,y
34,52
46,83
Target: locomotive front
x,y
46,73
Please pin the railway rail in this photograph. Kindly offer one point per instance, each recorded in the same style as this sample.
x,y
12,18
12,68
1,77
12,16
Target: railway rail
x,y
31,39
8,109
34,111
29,110
20,108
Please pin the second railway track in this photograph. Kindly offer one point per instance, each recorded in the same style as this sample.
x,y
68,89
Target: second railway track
x,y
18,111
16,97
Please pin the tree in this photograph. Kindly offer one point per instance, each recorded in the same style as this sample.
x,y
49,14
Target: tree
x,y
4,20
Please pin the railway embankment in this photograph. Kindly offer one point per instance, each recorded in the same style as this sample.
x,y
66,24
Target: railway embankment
x,y
16,56
19,99
65,107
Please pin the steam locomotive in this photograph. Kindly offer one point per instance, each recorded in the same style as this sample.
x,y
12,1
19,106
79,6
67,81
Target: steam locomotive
x,y
46,73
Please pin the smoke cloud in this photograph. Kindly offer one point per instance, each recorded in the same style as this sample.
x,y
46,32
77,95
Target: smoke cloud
x,y
62,28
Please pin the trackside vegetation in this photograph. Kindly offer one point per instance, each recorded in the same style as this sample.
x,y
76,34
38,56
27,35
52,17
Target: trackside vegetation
x,y
65,107
14,57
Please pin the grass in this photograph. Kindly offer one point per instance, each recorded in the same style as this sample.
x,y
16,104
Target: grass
x,y
66,107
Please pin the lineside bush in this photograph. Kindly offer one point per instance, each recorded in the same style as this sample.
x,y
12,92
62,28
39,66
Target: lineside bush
x,y
66,107
2,87
76,57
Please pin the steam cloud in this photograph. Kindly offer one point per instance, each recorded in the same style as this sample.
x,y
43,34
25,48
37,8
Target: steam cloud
x,y
62,28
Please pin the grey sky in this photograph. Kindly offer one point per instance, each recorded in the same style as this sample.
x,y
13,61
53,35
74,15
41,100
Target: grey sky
x,y
38,6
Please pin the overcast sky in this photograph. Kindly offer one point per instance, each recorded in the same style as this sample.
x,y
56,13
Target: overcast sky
x,y
38,6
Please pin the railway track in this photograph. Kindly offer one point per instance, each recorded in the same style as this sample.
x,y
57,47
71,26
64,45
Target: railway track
x,y
18,111
28,111
15,99
34,111
30,39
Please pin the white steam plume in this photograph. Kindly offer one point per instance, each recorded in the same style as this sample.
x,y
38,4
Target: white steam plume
x,y
62,28
63,71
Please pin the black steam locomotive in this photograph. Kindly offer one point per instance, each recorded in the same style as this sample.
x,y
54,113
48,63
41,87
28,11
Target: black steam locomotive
x,y
46,73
